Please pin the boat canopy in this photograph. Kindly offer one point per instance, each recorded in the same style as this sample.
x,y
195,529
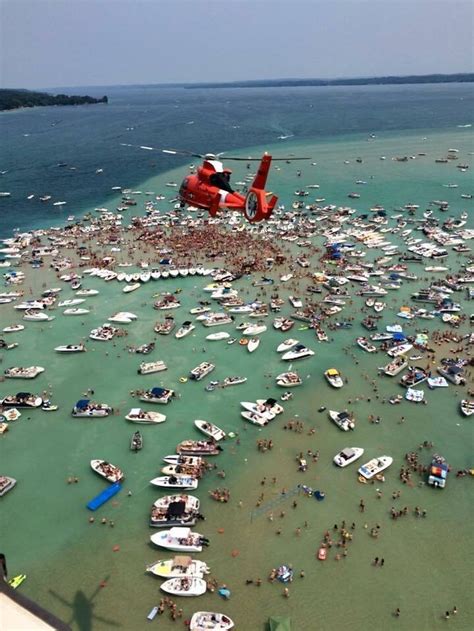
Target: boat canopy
x,y
332,372
175,509
347,453
158,391
182,561
180,532
135,411
82,404
279,623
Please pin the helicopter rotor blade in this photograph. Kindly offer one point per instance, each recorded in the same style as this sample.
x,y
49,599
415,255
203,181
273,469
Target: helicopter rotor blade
x,y
291,158
182,152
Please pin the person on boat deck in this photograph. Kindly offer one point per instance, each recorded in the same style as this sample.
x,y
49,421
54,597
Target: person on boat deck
x,y
222,180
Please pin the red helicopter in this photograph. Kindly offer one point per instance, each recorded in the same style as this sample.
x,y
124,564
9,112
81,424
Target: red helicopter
x,y
209,188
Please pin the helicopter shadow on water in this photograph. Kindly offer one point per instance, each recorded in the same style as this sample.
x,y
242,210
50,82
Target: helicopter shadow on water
x,y
82,610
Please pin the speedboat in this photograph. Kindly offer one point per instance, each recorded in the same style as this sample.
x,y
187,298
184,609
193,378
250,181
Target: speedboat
x,y
288,379
18,372
396,366
343,420
375,466
211,430
467,407
129,288
364,343
70,348
232,381
123,317
179,567
258,408
176,482
254,329
334,378
399,349
108,471
255,418
221,335
164,328
271,405
137,415
198,448
210,621
37,316
157,395
253,344
286,345
147,368
185,586
186,328
85,408
414,376
180,459
347,456
22,400
297,352
14,328
174,510
76,312
6,484
179,539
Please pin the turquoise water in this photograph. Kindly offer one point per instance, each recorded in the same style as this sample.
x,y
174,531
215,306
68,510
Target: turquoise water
x,y
428,562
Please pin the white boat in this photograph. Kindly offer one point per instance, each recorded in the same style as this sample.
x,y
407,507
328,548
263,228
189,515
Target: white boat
x,y
18,372
122,318
210,429
286,345
347,456
184,586
343,420
185,329
295,302
179,567
253,344
85,408
179,459
299,351
467,407
210,621
179,539
396,366
37,316
375,466
186,482
71,303
87,292
157,395
286,277
364,343
14,328
259,408
76,312
129,288
255,418
334,378
400,349
108,471
148,368
137,415
254,329
174,510
201,371
70,348
288,379
221,335
6,484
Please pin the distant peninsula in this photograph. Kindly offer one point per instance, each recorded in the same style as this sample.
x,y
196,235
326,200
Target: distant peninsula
x,y
463,77
14,99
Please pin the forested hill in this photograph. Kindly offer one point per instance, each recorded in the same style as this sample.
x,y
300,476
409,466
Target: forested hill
x,y
14,99
463,77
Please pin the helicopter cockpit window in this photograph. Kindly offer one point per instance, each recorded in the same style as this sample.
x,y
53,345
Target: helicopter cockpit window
x,y
222,181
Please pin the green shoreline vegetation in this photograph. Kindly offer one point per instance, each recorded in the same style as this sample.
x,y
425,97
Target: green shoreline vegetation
x,y
14,99
461,77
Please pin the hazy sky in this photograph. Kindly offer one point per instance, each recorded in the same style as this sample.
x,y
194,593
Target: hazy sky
x,y
46,43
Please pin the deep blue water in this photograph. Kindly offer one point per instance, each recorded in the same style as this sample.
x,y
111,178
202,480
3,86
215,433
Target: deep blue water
x,y
89,137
